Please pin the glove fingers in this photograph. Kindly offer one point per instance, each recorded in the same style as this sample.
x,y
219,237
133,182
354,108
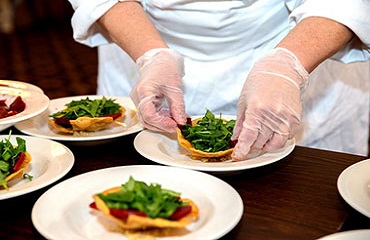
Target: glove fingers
x,y
154,117
276,142
247,137
176,104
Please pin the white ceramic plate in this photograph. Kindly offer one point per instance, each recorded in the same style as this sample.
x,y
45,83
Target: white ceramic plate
x,y
36,103
220,206
50,161
361,234
164,149
20,85
39,126
354,186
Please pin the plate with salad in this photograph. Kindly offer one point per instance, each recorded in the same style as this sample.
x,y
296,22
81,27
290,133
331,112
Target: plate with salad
x,y
164,148
220,206
49,161
127,124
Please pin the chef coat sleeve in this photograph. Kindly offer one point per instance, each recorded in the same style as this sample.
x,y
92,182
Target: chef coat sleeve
x,y
84,25
355,14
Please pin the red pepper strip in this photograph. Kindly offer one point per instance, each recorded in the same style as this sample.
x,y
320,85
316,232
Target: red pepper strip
x,y
124,213
63,122
181,212
19,162
93,205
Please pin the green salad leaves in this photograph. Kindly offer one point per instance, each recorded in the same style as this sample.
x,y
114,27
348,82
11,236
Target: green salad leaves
x,y
151,199
8,157
211,134
88,108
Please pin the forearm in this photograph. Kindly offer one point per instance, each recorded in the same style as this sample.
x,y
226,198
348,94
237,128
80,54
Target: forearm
x,y
129,27
315,39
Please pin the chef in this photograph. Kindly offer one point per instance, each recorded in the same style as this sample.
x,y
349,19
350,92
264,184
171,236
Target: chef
x,y
286,68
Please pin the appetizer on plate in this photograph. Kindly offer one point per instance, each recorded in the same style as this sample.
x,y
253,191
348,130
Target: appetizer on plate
x,y
207,138
87,115
137,207
13,160
16,106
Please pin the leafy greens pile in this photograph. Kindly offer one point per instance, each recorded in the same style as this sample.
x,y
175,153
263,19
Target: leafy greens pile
x,y
210,134
8,157
88,108
151,199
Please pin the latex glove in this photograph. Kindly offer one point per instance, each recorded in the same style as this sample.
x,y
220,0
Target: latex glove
x,y
269,107
158,92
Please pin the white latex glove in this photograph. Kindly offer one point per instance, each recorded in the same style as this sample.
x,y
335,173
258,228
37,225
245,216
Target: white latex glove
x,y
158,92
269,106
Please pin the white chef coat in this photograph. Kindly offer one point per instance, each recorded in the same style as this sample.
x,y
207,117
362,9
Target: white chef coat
x,y
221,39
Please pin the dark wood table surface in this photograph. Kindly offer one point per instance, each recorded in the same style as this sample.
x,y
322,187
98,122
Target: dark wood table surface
x,y
294,198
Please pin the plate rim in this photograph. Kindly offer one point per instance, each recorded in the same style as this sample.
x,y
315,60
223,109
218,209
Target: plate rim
x,y
158,168
135,128
201,166
343,176
62,172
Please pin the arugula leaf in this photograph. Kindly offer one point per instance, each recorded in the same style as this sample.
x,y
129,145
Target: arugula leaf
x,y
151,199
88,108
211,134
8,157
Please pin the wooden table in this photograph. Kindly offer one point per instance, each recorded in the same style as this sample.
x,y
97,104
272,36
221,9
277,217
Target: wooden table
x,y
295,198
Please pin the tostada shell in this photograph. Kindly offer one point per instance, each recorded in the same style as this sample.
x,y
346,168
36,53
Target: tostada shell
x,y
24,165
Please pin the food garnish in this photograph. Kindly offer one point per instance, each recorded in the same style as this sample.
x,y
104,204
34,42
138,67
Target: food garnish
x,y
136,205
207,138
87,115
17,106
13,160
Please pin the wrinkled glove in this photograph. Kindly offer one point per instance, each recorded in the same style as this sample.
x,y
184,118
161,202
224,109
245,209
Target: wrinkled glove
x,y
158,92
269,106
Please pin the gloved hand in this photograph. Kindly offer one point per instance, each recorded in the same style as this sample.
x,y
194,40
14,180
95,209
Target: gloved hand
x,y
269,106
158,92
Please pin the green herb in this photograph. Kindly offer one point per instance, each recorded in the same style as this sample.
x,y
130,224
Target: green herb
x,y
88,108
151,199
8,157
210,134
27,176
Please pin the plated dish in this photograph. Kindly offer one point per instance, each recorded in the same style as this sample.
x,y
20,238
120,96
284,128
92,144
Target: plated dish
x,y
36,103
164,149
50,162
354,186
220,206
39,126
348,235
20,85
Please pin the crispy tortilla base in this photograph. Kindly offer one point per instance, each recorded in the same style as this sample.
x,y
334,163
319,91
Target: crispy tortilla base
x,y
196,154
134,222
87,124
19,173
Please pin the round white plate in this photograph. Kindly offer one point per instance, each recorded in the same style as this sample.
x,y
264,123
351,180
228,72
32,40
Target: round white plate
x,y
354,186
164,149
20,85
361,234
220,206
50,161
39,126
36,103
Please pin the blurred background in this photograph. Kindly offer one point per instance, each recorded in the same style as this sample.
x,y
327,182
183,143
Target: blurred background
x,y
36,46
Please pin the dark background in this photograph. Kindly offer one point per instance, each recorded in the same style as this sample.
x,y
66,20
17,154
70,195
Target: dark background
x,y
41,50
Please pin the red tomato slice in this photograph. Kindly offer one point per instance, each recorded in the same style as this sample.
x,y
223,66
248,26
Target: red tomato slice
x,y
124,213
19,162
181,212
